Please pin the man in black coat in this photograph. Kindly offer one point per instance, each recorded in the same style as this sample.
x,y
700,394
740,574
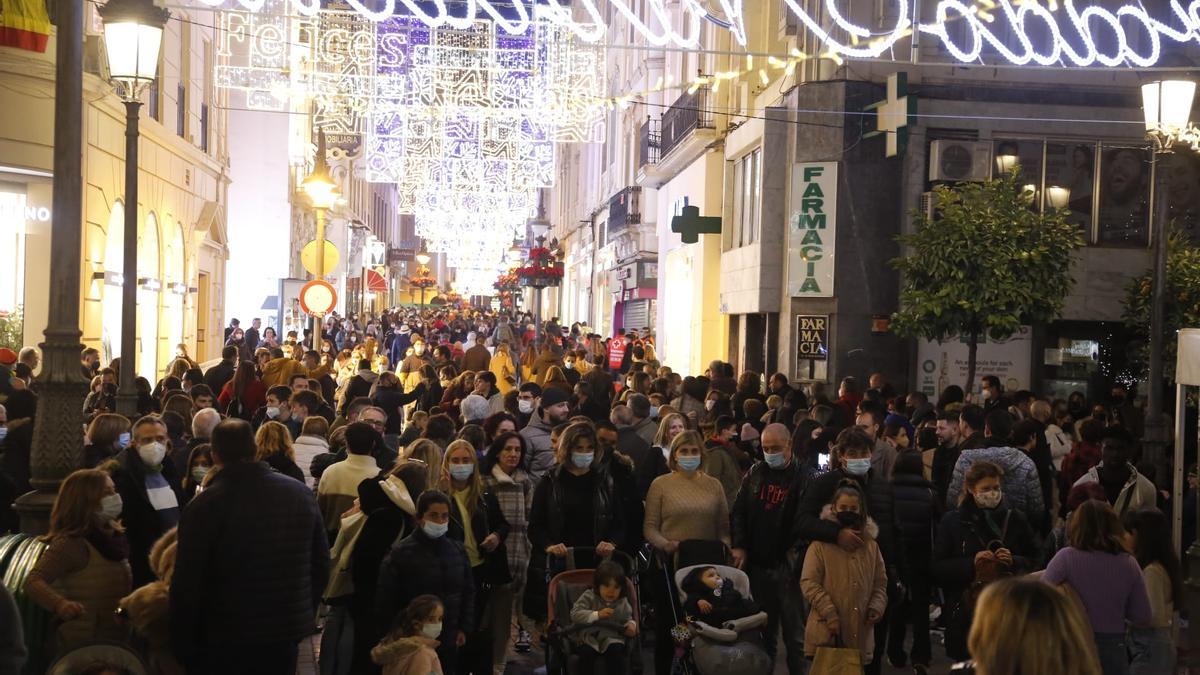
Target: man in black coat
x,y
854,448
149,487
251,565
218,375
427,561
648,463
761,535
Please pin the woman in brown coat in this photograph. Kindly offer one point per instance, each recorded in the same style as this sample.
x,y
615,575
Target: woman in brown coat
x,y
84,571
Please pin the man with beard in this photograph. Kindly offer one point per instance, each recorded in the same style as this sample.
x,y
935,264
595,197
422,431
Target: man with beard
x,y
946,454
1123,197
553,409
1125,488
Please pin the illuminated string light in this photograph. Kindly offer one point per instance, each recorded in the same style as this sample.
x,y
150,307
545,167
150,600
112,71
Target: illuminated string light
x,y
1179,23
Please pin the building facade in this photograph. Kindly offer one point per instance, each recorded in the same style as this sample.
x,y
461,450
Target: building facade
x,y
746,141
183,183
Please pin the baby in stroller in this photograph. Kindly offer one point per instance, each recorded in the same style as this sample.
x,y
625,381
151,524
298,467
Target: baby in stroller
x,y
605,610
725,622
713,598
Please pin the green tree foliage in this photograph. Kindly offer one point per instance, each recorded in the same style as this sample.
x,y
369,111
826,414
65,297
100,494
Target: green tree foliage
x,y
984,265
12,329
1182,299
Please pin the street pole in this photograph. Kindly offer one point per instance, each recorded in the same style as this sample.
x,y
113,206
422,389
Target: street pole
x,y
126,392
1155,427
57,444
318,323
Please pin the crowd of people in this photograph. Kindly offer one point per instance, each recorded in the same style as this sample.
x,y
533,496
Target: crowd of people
x,y
410,487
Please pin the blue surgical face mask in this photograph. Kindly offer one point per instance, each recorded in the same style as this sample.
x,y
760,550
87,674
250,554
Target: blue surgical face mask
x,y
653,411
435,530
461,471
775,460
123,440
688,463
3,432
858,467
581,460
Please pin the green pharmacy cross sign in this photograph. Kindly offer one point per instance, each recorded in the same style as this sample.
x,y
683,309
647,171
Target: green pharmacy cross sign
x,y
689,224
894,114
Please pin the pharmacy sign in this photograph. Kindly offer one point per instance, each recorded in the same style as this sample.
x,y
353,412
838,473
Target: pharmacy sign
x,y
812,230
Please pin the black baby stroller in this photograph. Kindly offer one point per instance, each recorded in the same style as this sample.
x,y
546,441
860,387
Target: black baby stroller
x,y
733,648
564,589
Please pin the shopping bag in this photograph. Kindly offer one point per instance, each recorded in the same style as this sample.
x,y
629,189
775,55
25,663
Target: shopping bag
x,y
837,660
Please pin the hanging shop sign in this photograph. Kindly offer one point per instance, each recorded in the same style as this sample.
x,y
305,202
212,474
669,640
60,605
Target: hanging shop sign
x,y
812,337
812,230
1070,33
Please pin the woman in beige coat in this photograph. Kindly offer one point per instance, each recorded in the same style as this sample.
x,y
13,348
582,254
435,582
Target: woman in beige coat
x,y
847,589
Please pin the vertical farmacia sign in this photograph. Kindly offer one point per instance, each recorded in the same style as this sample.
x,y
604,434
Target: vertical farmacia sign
x,y
812,230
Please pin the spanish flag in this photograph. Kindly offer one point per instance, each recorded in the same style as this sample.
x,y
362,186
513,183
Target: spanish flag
x,y
24,24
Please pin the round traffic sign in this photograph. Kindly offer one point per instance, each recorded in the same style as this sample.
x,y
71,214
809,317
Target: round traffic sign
x,y
308,258
318,298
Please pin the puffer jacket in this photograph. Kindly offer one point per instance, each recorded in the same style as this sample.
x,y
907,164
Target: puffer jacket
x,y
843,586
418,565
917,512
540,458
216,597
1021,484
413,655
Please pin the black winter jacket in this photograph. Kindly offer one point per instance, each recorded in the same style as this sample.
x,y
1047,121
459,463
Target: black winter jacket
x,y
418,565
218,375
487,519
916,505
253,560
964,532
143,526
811,527
763,513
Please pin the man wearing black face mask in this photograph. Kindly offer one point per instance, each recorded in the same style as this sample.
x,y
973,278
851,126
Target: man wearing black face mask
x,y
1124,487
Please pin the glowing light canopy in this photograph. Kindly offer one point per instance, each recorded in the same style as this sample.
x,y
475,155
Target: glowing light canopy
x,y
1075,33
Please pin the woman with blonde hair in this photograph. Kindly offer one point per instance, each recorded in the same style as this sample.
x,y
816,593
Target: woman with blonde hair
x,y
477,522
1024,626
275,447
426,451
83,573
671,425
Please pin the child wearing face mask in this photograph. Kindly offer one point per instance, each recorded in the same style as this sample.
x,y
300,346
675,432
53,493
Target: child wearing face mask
x,y
847,589
410,649
605,609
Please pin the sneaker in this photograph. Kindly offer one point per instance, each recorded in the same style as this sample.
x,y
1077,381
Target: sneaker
x,y
524,642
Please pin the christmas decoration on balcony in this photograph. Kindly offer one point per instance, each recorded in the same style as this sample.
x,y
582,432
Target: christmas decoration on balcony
x,y
542,269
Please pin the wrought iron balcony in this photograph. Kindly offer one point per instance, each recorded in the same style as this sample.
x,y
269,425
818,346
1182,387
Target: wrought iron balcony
x,y
651,141
625,209
690,111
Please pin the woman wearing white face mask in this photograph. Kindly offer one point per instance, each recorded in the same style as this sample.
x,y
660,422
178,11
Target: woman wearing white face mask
x,y
574,506
978,542
683,505
84,571
478,523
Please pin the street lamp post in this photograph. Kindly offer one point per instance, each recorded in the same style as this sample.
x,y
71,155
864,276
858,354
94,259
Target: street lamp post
x,y
57,445
1167,106
132,38
423,259
323,193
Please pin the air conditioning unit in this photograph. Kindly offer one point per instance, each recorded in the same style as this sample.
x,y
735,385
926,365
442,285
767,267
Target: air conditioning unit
x,y
928,204
957,161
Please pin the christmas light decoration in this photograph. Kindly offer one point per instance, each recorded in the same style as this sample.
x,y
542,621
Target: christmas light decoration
x,y
1067,33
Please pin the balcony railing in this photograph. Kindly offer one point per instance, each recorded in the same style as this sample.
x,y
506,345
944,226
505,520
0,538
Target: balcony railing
x,y
689,112
624,209
651,141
